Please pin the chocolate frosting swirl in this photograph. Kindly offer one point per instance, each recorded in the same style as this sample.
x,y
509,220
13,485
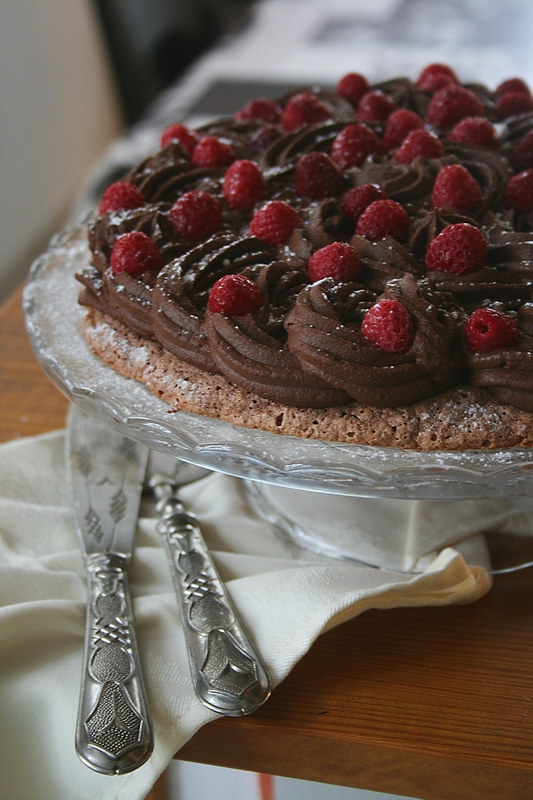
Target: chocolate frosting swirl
x,y
507,372
409,184
490,169
428,224
384,260
250,352
182,290
332,346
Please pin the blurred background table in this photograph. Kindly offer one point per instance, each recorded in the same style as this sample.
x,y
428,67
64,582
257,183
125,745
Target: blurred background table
x,y
428,703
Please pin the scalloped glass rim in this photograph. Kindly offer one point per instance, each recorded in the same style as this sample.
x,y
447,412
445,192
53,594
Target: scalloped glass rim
x,y
54,322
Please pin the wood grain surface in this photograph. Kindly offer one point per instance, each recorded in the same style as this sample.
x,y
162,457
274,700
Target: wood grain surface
x,y
430,703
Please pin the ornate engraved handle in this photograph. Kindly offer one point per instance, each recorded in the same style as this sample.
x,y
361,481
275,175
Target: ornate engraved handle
x,y
114,733
228,674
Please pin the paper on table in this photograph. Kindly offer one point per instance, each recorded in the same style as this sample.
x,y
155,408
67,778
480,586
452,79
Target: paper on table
x,y
285,601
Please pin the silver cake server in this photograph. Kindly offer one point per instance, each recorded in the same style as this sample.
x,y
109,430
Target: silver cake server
x,y
228,674
114,732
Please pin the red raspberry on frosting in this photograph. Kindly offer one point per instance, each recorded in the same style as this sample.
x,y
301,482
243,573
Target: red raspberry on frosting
x,y
475,130
275,222
513,85
357,199
352,87
451,104
235,295
338,260
264,136
399,124
435,77
317,177
375,106
512,103
456,188
519,192
121,196
383,218
182,134
459,249
389,326
353,145
211,152
196,215
260,109
244,185
522,155
303,109
135,253
487,329
419,143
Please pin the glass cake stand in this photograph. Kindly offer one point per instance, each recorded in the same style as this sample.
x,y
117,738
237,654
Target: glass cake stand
x,y
54,322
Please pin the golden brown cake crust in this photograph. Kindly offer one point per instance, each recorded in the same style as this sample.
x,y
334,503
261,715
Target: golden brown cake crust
x,y
462,418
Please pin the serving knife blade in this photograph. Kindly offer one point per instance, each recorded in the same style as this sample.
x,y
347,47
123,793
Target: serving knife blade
x,y
114,731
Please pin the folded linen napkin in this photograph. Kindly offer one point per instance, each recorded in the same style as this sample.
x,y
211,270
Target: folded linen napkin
x,y
286,598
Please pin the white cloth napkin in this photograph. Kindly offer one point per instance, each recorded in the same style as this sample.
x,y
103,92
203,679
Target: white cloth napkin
x,y
286,599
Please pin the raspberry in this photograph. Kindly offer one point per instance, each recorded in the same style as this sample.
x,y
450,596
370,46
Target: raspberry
x,y
121,196
316,177
399,124
196,215
519,193
275,222
303,109
353,144
211,152
337,260
459,249
512,103
262,109
352,87
451,104
135,253
375,106
235,295
244,185
487,329
357,199
264,136
435,77
383,218
522,155
475,130
419,143
456,188
389,326
182,134
513,85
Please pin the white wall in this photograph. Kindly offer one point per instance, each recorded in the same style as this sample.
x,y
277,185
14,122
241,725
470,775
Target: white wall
x,y
57,112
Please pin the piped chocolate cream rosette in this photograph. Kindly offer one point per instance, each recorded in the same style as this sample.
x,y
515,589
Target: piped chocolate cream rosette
x,y
490,170
249,348
170,173
182,290
326,332
384,260
499,353
123,295
460,261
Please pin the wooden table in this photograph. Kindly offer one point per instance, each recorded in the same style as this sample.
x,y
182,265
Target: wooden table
x,y
429,703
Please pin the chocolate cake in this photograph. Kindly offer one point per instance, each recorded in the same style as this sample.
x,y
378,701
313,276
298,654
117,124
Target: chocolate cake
x,y
354,265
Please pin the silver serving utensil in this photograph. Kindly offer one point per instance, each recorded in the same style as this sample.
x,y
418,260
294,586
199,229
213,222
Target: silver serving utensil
x,y
114,731
228,674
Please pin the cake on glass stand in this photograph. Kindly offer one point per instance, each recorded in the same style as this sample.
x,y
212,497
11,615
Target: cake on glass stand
x,y
54,322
